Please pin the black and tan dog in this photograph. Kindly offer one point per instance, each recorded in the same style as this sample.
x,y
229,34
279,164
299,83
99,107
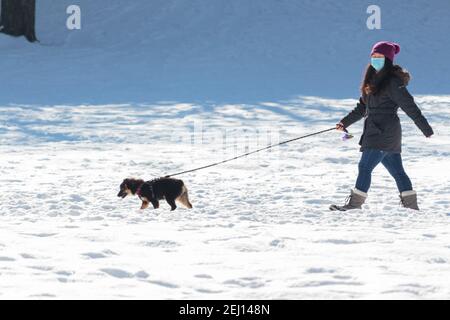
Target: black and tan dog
x,y
154,190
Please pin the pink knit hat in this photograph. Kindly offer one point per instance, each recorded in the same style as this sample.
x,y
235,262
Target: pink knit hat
x,y
386,48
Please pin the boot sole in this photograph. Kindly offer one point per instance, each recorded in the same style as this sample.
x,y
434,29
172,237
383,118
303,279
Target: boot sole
x,y
334,207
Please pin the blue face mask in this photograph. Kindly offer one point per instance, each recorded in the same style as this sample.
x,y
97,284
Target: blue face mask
x,y
377,63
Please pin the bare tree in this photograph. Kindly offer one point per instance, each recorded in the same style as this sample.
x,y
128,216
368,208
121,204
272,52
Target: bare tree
x,y
18,18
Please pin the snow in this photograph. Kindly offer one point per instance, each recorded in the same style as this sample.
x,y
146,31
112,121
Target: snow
x,y
149,88
260,227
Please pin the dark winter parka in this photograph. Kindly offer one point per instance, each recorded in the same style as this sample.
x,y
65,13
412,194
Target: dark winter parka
x,y
382,129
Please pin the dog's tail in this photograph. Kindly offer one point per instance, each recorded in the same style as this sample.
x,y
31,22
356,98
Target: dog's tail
x,y
184,197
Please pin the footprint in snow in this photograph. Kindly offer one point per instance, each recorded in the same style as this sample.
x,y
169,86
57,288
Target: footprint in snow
x,y
40,235
246,282
94,255
311,284
164,284
317,201
43,295
117,273
437,260
208,291
6,259
338,241
203,276
64,273
320,270
141,274
41,268
99,255
160,244
342,277
278,243
76,198
122,274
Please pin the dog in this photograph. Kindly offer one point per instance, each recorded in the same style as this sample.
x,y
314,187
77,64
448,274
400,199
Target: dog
x,y
154,190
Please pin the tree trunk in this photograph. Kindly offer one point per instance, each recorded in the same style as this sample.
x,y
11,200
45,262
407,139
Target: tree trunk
x,y
18,18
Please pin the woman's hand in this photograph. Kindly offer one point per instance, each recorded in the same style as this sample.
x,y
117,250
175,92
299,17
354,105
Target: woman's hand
x,y
340,126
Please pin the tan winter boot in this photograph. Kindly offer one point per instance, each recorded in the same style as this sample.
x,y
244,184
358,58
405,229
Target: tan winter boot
x,y
409,199
354,201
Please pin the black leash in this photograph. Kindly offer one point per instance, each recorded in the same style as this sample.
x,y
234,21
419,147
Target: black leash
x,y
252,152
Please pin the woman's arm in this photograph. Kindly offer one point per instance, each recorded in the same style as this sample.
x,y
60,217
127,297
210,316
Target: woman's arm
x,y
400,95
355,115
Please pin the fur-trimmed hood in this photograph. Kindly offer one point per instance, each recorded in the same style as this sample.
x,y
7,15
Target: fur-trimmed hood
x,y
402,74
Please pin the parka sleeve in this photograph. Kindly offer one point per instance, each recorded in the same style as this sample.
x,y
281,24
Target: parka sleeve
x,y
400,95
355,115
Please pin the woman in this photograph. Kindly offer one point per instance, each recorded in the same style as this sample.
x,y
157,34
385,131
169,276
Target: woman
x,y
383,91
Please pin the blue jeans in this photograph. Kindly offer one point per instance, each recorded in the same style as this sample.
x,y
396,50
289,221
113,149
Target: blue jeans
x,y
393,163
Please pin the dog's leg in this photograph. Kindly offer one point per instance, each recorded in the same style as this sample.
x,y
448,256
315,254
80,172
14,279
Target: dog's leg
x,y
144,205
155,204
172,204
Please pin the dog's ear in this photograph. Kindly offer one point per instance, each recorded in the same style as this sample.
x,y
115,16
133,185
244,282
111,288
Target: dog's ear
x,y
132,184
125,184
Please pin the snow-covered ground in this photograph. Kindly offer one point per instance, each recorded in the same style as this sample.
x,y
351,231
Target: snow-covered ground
x,y
260,227
149,88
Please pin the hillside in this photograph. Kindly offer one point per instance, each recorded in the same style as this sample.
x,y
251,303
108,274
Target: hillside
x,y
253,50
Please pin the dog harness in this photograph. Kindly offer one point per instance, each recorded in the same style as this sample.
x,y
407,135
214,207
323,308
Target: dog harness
x,y
138,191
